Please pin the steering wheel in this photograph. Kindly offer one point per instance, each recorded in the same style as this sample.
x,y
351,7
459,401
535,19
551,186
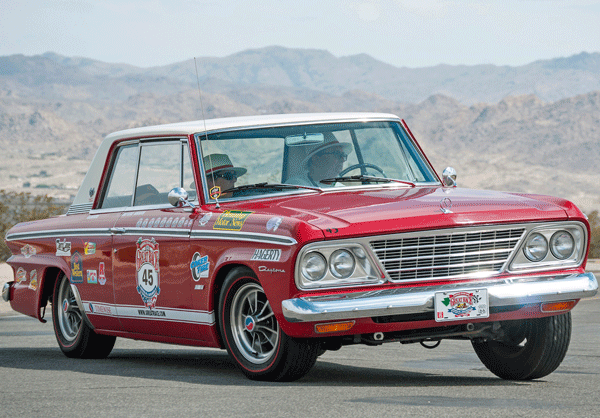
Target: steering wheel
x,y
362,165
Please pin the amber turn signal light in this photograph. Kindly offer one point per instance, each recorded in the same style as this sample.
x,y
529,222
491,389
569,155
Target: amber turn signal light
x,y
333,327
559,306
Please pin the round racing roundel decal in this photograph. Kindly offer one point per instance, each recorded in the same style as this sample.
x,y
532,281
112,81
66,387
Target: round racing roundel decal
x,y
148,275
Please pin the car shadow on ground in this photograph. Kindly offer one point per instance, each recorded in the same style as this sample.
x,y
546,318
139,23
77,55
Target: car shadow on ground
x,y
211,366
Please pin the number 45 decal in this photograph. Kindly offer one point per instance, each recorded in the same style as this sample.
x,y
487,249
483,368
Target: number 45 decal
x,y
332,231
148,277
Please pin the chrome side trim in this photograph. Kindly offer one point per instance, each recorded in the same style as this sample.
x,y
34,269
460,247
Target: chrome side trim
x,y
243,236
414,300
57,233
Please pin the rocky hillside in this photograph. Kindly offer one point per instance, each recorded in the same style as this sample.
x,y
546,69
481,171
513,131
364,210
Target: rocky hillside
x,y
534,128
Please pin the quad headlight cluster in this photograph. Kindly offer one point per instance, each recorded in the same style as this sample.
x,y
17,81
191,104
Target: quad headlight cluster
x,y
554,245
335,265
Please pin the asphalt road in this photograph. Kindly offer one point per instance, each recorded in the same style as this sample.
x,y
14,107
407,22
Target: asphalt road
x,y
155,380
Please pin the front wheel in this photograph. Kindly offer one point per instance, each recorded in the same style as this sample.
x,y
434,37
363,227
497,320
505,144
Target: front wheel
x,y
74,336
252,334
534,348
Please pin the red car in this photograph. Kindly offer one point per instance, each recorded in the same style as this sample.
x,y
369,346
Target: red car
x,y
279,237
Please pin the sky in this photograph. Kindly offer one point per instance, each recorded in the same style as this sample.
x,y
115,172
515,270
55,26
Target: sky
x,y
404,33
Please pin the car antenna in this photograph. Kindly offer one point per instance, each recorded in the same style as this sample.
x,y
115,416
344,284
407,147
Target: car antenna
x,y
212,173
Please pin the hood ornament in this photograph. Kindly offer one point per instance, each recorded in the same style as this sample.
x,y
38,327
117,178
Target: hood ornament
x,y
446,205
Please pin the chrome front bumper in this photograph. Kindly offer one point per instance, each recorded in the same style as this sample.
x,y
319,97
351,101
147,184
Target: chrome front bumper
x,y
415,300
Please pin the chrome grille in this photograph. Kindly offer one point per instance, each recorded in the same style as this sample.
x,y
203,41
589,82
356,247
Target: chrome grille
x,y
435,255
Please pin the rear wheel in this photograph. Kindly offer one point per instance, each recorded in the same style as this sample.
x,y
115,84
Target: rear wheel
x,y
252,334
534,348
75,337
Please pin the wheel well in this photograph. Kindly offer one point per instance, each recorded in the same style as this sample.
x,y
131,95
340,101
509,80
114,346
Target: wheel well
x,y
49,279
216,291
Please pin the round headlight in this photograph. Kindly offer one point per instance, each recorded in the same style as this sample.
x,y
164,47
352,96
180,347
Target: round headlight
x,y
536,247
314,266
341,264
562,245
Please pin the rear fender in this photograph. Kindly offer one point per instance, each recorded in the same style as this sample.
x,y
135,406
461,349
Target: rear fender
x,y
34,283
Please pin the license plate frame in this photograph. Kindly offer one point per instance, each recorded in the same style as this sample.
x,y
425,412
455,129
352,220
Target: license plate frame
x,y
460,305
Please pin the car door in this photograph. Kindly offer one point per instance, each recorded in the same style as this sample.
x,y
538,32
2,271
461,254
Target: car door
x,y
151,245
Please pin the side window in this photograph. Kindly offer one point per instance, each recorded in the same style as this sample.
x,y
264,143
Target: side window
x,y
159,172
120,188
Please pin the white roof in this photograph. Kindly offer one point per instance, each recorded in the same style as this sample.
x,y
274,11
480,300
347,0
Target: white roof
x,y
91,181
211,125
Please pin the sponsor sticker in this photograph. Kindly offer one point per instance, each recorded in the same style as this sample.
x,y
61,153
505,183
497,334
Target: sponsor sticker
x,y
147,258
273,224
101,274
89,248
231,220
33,280
28,251
199,266
63,248
21,275
215,192
76,268
266,255
204,220
92,276
99,309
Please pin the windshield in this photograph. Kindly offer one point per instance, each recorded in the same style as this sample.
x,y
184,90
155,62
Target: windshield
x,y
309,157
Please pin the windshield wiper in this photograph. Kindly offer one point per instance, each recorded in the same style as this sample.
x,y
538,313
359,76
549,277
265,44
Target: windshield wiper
x,y
266,185
365,178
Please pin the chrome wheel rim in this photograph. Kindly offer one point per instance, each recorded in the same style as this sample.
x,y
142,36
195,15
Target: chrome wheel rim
x,y
253,325
69,316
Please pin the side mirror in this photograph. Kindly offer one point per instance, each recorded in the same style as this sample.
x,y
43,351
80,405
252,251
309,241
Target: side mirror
x,y
179,197
449,177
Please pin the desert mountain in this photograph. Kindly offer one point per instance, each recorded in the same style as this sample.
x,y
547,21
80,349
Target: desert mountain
x,y
534,128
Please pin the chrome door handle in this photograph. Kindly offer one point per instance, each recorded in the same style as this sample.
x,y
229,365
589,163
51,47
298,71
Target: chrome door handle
x,y
117,230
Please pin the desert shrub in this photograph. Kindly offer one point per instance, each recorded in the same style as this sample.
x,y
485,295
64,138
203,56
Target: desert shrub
x,y
594,219
22,207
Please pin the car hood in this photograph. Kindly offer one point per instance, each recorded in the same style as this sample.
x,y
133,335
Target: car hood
x,y
388,210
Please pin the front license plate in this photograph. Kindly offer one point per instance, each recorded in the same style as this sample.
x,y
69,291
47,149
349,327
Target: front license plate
x,y
460,305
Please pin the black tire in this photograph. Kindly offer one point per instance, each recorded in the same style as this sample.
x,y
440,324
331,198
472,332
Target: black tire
x,y
536,348
75,337
252,335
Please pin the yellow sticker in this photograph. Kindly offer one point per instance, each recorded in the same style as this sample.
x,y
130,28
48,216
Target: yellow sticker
x,y
231,220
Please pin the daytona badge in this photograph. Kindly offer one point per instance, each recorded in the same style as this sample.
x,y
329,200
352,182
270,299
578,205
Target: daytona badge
x,y
148,272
